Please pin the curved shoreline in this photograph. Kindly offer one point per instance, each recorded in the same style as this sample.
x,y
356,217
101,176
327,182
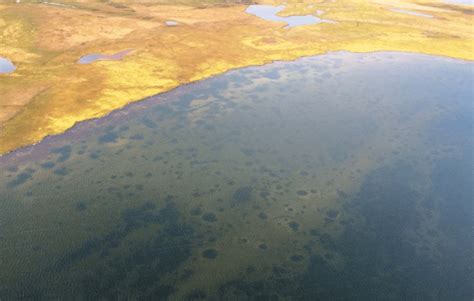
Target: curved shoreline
x,y
50,93
82,127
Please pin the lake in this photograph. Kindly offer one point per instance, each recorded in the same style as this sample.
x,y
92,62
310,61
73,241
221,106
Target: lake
x,y
337,177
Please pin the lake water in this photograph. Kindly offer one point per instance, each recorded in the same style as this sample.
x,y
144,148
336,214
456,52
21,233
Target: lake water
x,y
6,66
269,13
91,58
337,177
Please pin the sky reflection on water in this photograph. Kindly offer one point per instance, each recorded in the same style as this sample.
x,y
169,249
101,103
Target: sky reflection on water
x,y
6,66
269,13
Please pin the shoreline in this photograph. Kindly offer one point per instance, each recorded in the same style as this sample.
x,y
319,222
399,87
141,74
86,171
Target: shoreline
x,y
49,94
84,126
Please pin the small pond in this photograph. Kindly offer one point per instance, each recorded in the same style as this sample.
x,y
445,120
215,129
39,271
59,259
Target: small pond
x,y
171,23
91,58
269,13
6,66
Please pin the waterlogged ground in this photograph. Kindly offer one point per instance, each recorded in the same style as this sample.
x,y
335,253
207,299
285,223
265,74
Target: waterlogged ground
x,y
338,177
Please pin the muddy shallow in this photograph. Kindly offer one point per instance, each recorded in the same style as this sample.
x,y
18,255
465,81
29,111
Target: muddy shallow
x,y
337,177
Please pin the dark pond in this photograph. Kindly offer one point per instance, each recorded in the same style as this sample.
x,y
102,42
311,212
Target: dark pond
x,y
338,177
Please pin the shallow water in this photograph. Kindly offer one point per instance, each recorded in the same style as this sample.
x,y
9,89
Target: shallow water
x,y
338,177
91,58
408,12
6,66
269,13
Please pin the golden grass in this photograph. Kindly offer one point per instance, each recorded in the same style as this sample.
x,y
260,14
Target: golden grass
x,y
49,92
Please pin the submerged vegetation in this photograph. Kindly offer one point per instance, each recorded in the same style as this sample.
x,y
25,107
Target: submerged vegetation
x,y
335,178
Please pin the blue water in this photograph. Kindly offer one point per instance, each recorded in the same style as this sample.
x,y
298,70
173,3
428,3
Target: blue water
x,y
6,66
91,58
464,2
337,177
269,13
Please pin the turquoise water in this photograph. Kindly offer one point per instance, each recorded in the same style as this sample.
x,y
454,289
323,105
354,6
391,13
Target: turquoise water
x,y
6,66
337,177
91,58
269,13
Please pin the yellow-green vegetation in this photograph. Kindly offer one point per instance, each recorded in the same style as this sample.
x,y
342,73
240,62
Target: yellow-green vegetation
x,y
49,92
